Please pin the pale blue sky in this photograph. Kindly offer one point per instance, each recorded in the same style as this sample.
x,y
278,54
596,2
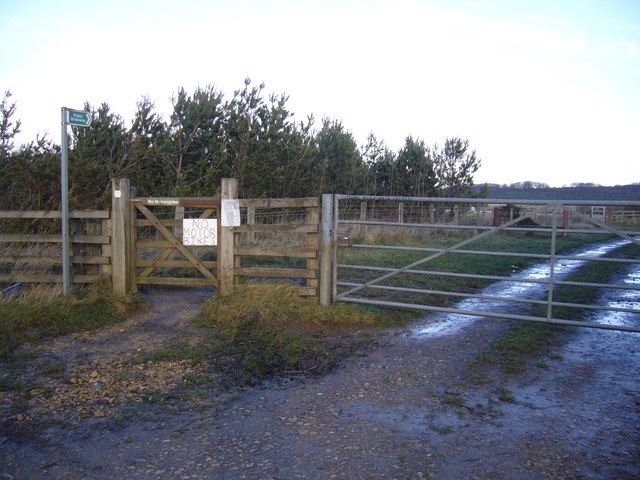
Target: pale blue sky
x,y
544,90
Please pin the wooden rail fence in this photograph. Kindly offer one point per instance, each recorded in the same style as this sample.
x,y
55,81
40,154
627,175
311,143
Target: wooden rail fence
x,y
293,237
39,254
276,239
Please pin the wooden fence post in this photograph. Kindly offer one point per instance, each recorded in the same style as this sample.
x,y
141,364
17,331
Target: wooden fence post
x,y
178,215
133,251
313,218
363,217
326,273
120,235
251,220
226,260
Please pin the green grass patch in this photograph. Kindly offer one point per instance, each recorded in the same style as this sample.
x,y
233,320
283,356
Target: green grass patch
x,y
512,351
267,330
248,352
177,351
277,305
456,401
442,430
35,315
505,395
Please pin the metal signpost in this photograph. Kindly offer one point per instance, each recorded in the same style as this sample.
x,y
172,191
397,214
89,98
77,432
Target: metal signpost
x,y
79,119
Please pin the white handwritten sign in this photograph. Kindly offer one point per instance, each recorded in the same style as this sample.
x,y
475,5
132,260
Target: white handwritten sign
x,y
200,231
230,213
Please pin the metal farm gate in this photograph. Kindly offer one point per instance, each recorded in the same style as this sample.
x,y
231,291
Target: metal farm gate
x,y
414,252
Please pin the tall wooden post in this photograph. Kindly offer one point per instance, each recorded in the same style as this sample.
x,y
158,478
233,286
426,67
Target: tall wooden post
x,y
313,218
363,217
120,235
226,264
251,220
133,249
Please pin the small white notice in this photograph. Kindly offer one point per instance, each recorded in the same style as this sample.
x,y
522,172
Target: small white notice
x,y
199,232
117,193
230,215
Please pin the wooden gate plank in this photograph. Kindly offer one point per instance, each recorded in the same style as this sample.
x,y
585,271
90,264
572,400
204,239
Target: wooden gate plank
x,y
162,256
175,242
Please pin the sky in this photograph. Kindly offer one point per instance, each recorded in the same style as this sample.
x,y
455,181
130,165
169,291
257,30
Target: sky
x,y
545,90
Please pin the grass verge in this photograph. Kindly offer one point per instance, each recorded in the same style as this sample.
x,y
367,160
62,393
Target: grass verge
x,y
42,312
266,330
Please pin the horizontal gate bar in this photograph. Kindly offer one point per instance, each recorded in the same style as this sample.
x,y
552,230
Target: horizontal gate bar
x,y
497,254
155,263
490,277
52,238
49,278
490,297
275,272
191,282
276,252
279,202
442,226
494,201
503,316
177,201
55,214
441,292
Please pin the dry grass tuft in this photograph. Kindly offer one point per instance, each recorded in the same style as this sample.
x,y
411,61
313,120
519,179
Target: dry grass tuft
x,y
278,305
42,311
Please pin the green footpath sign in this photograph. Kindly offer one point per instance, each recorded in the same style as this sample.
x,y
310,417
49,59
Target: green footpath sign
x,y
78,118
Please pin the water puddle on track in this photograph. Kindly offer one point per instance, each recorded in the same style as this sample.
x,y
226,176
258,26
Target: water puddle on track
x,y
450,323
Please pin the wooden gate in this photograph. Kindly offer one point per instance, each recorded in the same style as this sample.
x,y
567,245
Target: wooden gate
x,y
177,243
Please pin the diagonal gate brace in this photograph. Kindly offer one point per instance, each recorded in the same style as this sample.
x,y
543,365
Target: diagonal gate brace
x,y
162,256
175,242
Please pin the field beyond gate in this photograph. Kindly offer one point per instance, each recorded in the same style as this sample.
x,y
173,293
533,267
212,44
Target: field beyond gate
x,y
441,255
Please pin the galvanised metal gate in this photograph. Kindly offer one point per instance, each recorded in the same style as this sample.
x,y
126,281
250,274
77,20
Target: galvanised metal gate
x,y
369,231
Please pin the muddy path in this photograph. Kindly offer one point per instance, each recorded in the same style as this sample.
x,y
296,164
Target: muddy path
x,y
408,408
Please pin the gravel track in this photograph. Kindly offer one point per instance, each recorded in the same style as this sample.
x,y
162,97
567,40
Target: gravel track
x,y
405,409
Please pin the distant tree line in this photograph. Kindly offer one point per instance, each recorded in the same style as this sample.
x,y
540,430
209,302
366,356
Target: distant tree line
x,y
250,137
576,191
528,185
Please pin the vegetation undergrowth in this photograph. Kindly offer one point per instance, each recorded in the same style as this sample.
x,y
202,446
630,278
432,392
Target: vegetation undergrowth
x,y
267,330
43,311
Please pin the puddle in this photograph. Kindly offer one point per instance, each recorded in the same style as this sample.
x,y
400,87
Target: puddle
x,y
448,323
